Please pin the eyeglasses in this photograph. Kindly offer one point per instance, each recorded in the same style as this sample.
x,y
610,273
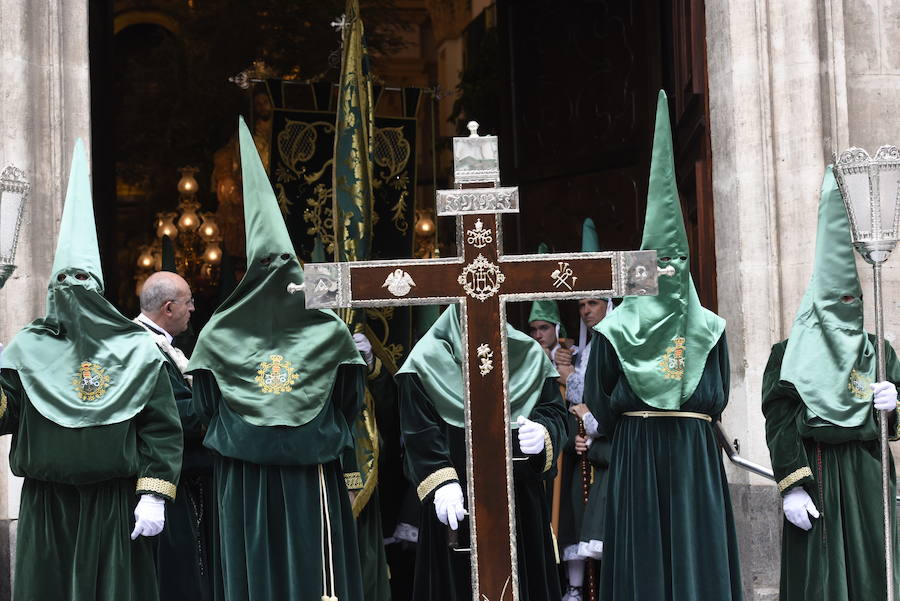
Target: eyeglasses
x,y
189,301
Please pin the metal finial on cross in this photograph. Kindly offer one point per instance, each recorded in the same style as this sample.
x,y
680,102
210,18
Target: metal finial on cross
x,y
340,23
482,280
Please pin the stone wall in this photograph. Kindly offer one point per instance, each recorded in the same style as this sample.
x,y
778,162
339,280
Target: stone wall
x,y
790,83
44,70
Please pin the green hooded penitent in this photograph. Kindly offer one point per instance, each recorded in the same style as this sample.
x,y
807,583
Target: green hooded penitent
x,y
437,360
273,359
663,341
829,358
84,363
546,310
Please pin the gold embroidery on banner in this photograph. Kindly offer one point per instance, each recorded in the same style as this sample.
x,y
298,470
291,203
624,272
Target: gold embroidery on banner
x,y
794,477
91,381
276,376
2,402
672,362
156,485
441,476
353,480
859,385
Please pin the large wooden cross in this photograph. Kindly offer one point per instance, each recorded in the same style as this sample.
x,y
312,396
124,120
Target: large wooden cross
x,y
482,280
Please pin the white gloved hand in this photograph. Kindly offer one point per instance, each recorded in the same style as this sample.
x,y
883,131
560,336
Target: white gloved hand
x,y
884,396
449,505
531,436
149,516
798,506
365,348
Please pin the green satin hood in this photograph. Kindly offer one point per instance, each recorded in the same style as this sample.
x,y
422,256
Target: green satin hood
x,y
83,364
546,310
274,361
829,358
663,341
437,360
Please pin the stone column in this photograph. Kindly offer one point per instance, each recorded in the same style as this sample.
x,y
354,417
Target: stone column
x,y
45,91
790,83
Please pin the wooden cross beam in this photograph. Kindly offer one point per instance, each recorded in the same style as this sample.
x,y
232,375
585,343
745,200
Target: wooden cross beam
x,y
482,280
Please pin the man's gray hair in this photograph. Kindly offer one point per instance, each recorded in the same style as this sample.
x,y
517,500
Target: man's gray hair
x,y
157,290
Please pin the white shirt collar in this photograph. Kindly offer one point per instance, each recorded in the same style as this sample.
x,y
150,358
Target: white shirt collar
x,y
155,326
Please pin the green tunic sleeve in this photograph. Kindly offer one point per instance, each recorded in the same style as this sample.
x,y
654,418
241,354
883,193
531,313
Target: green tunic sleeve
x,y
551,413
348,394
603,371
428,463
782,408
160,442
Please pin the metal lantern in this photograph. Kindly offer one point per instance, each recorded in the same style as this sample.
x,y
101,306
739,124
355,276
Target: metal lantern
x,y
13,194
870,188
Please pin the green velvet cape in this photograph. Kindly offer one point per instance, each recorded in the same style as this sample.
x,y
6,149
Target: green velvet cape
x,y
669,529
842,557
79,494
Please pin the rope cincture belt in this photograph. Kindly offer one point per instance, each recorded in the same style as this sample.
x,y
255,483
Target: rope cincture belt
x,y
688,414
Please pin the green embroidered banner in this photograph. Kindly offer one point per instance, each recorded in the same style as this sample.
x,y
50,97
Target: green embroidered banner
x,y
301,163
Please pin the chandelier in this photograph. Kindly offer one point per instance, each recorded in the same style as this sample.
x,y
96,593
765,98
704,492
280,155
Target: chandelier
x,y
13,194
195,240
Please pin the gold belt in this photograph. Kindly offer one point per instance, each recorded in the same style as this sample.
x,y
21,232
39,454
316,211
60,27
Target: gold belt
x,y
689,414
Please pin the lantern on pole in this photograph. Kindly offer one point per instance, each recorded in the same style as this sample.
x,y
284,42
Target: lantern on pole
x,y
13,194
870,188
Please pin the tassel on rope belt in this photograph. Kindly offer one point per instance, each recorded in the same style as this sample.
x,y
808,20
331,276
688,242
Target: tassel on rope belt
x,y
685,414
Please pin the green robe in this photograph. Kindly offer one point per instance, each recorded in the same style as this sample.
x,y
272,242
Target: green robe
x,y
842,557
669,533
433,446
376,581
183,554
593,526
274,527
79,495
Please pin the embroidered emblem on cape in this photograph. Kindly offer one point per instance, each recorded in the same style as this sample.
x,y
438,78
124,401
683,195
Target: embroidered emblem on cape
x,y
399,283
276,376
91,381
858,385
672,362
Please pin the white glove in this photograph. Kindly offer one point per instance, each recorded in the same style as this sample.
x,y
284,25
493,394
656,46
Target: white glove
x,y
531,436
365,348
885,396
149,516
798,506
449,504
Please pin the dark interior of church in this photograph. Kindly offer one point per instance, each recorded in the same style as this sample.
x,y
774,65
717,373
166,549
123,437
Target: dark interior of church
x,y
569,92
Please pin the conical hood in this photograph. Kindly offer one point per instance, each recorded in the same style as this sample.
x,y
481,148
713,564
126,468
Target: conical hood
x,y
77,245
546,310
663,341
829,358
264,225
590,240
274,360
83,364
437,360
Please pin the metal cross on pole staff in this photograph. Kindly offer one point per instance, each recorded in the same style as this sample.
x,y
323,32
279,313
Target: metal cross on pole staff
x,y
870,188
482,280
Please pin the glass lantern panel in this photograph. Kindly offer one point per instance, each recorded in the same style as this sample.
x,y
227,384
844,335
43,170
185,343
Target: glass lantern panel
x,y
10,207
858,189
888,186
